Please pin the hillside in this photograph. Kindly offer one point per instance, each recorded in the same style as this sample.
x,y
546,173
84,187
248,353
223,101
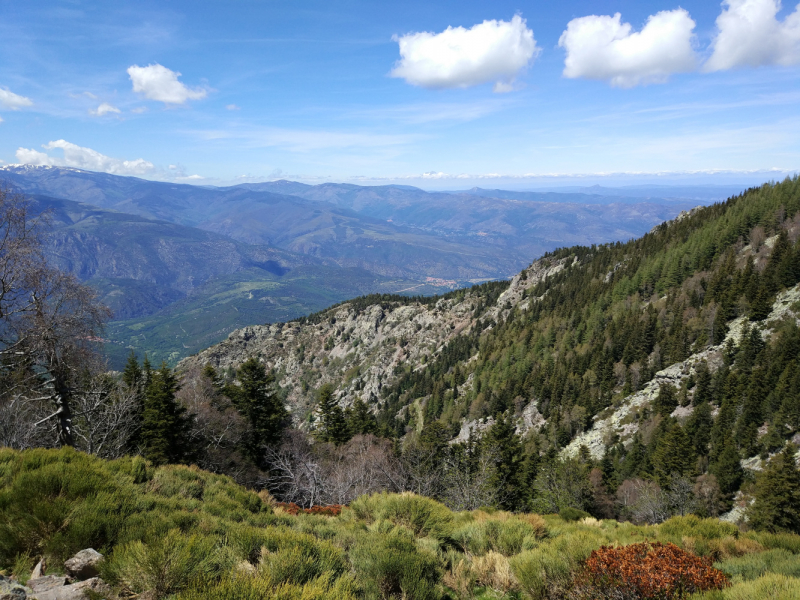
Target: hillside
x,y
182,533
676,338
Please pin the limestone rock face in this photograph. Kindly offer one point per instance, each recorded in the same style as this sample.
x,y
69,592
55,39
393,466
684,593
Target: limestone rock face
x,y
84,565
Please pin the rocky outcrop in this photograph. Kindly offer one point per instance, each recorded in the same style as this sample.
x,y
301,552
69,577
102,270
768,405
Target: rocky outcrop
x,y
361,349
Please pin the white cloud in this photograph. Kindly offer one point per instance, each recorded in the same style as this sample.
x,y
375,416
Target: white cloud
x,y
493,51
232,107
1,119
139,110
750,35
104,109
83,158
605,48
13,101
159,83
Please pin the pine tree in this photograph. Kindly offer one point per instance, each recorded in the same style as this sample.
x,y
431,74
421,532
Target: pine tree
x,y
728,470
132,375
255,399
666,401
698,428
504,444
702,387
164,422
673,456
777,494
360,420
333,425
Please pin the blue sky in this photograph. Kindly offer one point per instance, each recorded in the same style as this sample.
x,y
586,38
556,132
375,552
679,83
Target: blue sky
x,y
551,92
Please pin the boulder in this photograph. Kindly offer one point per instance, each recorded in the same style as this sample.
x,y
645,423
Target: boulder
x,y
84,565
45,584
11,590
75,591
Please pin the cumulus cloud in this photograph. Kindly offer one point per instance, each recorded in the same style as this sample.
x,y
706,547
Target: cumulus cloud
x,y
492,51
749,34
104,109
83,158
156,82
605,48
13,101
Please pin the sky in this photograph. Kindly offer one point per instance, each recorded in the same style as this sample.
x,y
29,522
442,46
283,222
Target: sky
x,y
442,95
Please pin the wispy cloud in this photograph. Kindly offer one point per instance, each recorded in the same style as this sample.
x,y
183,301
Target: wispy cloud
x,y
302,140
104,109
13,101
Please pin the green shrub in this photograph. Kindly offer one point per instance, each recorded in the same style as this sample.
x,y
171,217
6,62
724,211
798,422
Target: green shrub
x,y
424,516
506,536
785,541
572,514
291,557
768,587
547,571
694,526
166,565
391,566
243,587
752,566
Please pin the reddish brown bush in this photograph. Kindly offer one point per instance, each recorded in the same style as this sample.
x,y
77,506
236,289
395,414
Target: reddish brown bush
x,y
658,571
331,510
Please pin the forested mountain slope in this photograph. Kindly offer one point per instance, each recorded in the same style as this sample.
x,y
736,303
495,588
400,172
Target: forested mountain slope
x,y
578,334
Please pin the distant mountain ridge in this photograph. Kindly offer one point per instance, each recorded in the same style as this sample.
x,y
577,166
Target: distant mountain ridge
x,y
158,252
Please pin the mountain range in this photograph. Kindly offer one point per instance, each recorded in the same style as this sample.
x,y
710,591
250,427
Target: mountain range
x,y
183,265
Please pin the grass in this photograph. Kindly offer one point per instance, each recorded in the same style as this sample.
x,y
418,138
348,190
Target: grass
x,y
181,533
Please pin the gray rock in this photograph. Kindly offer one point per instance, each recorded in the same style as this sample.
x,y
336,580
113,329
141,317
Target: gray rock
x,y
39,570
84,565
75,591
11,590
44,584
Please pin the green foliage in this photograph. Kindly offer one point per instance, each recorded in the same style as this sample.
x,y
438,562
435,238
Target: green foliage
x,y
392,566
422,516
503,534
179,532
769,587
164,421
572,514
333,426
165,565
777,494
752,566
256,399
547,571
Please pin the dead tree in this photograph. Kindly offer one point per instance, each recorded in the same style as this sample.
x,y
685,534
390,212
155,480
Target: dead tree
x,y
49,322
